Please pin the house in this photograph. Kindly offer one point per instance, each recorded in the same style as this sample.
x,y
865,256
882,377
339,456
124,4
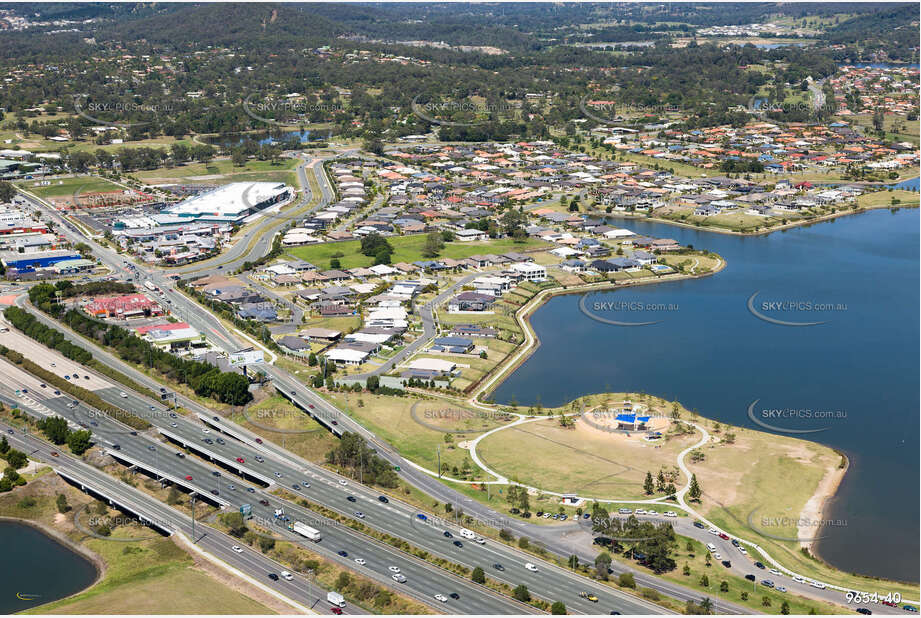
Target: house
x,y
467,235
262,312
452,345
644,257
528,271
472,330
123,307
436,365
471,301
495,286
603,266
294,343
573,265
320,334
346,356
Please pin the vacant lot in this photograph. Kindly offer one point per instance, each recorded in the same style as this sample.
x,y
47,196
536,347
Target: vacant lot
x,y
66,187
406,249
222,171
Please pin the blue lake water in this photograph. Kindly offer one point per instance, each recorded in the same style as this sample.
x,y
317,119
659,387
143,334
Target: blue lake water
x,y
712,354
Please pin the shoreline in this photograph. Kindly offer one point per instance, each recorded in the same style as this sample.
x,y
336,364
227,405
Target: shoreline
x,y
58,537
816,507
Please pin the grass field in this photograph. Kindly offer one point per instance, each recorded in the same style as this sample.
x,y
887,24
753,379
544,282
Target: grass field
x,y
581,460
222,171
66,187
406,249
884,198
312,442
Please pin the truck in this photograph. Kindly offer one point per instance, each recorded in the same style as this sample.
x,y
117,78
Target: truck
x,y
306,531
335,599
150,286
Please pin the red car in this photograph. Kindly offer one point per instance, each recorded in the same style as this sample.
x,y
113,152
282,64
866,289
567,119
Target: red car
x,y
240,460
724,536
336,610
258,440
310,405
188,477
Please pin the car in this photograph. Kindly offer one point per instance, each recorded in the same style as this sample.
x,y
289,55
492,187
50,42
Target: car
x,y
351,499
258,441
277,475
296,487
259,458
530,567
563,516
216,473
586,516
310,405
458,544
742,550
174,424
133,433
57,392
173,415
394,569
448,535
123,395
86,377
53,364
67,377
359,515
215,492
624,511
54,453
592,598
151,407
498,567
864,611
556,516
888,603
399,578
205,430
264,502
780,589
767,583
454,596
735,542
336,610
343,553
251,490
670,514
910,608
818,585
232,487
799,579
220,441
94,423
305,485
287,575
188,477
10,431
750,577
713,531
215,418
724,536
180,455
293,393
774,572
273,577
43,385
383,499
335,422
237,549
697,524
441,597
151,448
360,561
343,482
726,564
480,540
759,565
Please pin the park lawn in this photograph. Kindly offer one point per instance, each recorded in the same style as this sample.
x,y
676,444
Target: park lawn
x,y
66,187
884,198
580,460
391,418
769,478
406,249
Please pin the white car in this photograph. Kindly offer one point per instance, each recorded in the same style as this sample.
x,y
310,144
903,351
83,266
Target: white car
x,y
123,395
742,550
205,430
343,482
398,578
775,572
173,425
237,549
287,575
780,589
818,585
480,540
671,514
305,484
717,555
394,569
651,512
530,567
799,579
714,531
639,512
360,561
441,597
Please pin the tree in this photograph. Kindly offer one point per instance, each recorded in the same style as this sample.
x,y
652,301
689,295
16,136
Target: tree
x,y
4,446
521,593
602,564
573,561
558,608
626,580
785,608
724,586
266,543
236,526
706,605
79,441
433,245
7,191
648,485
478,576
63,507
16,459
343,581
694,490
55,428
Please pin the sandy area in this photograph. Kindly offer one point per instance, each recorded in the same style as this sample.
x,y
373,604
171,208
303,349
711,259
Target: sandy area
x,y
814,509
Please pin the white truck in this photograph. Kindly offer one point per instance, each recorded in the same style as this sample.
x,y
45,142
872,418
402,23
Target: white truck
x,y
150,286
335,598
306,531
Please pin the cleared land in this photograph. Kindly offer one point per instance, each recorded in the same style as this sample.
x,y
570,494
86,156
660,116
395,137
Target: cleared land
x,y
406,249
222,171
580,459
66,187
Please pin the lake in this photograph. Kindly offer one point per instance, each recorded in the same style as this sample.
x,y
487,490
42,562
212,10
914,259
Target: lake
x,y
38,568
709,351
